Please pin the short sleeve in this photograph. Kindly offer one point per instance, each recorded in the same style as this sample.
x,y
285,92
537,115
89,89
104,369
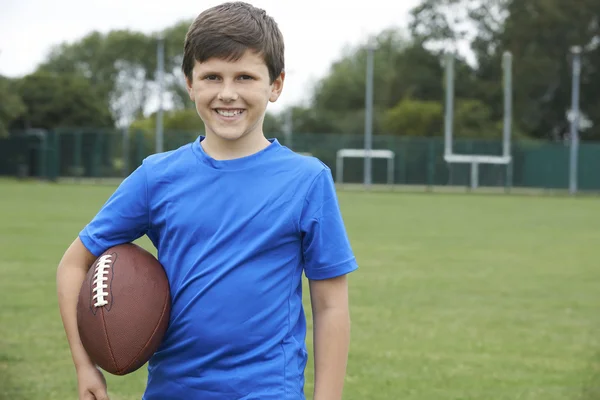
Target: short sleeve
x,y
325,243
123,218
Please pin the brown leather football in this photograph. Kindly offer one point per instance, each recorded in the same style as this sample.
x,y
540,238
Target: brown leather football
x,y
123,308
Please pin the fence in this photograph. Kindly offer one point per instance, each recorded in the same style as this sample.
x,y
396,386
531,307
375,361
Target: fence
x,y
418,161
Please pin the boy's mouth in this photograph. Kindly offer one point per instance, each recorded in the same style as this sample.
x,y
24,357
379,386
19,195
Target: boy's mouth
x,y
229,112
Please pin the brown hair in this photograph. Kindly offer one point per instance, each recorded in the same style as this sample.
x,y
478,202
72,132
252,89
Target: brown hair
x,y
226,31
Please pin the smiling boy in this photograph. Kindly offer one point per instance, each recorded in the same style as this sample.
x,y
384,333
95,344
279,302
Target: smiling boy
x,y
236,219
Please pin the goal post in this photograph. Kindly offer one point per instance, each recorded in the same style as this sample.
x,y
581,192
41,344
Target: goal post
x,y
476,159
362,153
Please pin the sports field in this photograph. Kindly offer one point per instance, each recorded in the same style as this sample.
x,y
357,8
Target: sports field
x,y
458,296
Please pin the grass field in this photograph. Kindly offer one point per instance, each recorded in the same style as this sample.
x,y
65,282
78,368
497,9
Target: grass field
x,y
458,296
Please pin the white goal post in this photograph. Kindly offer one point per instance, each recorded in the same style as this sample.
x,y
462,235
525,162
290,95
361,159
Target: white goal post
x,y
362,153
476,159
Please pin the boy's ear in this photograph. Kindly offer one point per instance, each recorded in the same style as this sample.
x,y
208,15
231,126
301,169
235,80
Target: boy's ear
x,y
277,87
188,86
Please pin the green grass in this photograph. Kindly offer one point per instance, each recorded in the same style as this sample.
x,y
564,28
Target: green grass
x,y
458,296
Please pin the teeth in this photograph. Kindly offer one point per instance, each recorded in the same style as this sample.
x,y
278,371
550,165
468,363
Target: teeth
x,y
229,113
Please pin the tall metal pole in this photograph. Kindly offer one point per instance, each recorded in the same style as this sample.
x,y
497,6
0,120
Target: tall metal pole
x,y
369,114
160,58
507,126
574,140
449,116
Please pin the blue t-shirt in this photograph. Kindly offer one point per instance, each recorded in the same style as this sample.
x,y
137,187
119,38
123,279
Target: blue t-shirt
x,y
234,237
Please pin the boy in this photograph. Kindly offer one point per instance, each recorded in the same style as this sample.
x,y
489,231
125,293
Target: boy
x,y
236,218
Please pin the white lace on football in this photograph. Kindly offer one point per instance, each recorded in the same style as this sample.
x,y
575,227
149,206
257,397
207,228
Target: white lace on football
x,y
100,278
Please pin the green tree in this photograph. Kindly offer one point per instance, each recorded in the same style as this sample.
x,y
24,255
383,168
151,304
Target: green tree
x,y
57,100
338,103
539,34
174,79
426,118
414,118
11,105
310,120
120,66
186,120
403,69
343,89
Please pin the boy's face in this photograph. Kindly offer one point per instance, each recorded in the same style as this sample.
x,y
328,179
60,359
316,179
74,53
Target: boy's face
x,y
231,97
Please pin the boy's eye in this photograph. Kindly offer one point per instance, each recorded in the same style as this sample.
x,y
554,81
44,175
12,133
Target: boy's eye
x,y
245,77
211,77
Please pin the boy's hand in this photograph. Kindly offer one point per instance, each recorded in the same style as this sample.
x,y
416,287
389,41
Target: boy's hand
x,y
91,384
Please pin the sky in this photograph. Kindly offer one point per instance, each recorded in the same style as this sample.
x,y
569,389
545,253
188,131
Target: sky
x,y
316,32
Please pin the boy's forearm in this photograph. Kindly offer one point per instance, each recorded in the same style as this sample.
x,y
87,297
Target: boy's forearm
x,y
331,345
69,277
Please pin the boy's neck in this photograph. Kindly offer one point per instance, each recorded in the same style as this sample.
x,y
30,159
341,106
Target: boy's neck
x,y
221,149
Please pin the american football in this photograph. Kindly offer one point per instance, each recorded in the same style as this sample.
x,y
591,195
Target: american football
x,y
123,308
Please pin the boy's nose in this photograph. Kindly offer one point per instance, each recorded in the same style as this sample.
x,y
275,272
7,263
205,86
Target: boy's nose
x,y
227,93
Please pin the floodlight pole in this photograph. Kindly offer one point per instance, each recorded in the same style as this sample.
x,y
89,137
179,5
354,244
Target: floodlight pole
x,y
574,139
369,114
160,62
507,126
449,116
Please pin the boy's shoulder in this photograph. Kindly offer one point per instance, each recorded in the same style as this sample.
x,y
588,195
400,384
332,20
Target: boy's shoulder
x,y
307,172
305,162
168,163
170,157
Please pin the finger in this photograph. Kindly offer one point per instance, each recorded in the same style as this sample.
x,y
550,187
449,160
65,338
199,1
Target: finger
x,y
87,396
101,394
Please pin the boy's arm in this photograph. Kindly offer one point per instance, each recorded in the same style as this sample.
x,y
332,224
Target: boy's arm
x,y
123,218
70,274
328,258
331,335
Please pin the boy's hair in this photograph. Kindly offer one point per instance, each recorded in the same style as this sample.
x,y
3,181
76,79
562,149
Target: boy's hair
x,y
226,31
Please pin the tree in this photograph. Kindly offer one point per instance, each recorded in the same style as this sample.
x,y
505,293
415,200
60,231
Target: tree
x,y
343,89
539,34
174,78
426,118
444,25
403,70
11,106
120,66
173,120
54,100
311,120
338,103
414,118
